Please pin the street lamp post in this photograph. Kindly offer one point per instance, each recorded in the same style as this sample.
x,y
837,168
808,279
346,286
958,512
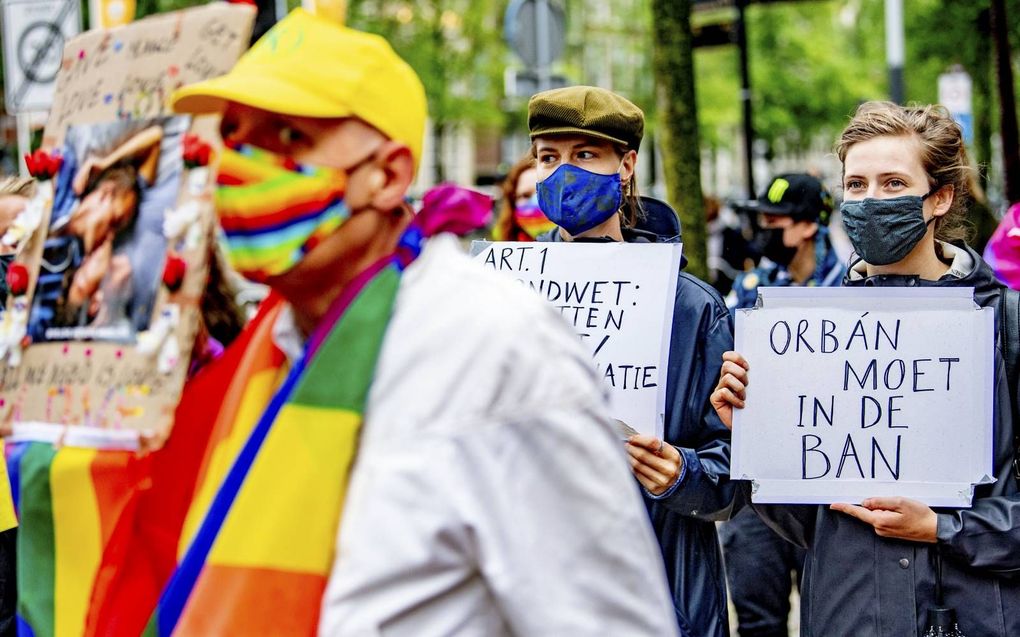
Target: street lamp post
x,y
894,49
745,97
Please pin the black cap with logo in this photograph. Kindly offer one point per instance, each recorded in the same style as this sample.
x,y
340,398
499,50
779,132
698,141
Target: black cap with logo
x,y
797,195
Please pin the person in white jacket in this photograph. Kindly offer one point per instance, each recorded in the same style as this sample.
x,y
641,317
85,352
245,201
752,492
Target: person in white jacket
x,y
489,494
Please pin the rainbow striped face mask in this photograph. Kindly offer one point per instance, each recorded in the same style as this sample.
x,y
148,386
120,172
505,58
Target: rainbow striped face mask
x,y
531,219
273,211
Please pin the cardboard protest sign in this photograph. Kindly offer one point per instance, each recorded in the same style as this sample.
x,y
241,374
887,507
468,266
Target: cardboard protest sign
x,y
865,392
619,298
113,252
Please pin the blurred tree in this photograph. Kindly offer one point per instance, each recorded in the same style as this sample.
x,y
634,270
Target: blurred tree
x,y
457,49
963,38
999,20
941,35
673,64
811,64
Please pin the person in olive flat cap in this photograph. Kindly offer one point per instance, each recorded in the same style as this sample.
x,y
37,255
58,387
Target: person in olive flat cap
x,y
586,141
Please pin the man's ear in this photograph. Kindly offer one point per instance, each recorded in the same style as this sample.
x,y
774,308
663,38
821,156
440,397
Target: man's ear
x,y
809,231
392,175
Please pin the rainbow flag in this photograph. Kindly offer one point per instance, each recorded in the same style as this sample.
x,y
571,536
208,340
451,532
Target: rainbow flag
x,y
100,530
259,560
69,501
217,412
8,515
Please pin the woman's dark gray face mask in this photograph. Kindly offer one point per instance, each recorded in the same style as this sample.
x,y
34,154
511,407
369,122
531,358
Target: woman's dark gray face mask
x,y
883,231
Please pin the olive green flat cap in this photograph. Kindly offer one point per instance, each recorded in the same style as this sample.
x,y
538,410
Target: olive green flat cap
x,y
586,110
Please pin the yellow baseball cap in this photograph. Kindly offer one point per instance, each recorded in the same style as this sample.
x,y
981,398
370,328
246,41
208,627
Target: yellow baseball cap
x,y
313,67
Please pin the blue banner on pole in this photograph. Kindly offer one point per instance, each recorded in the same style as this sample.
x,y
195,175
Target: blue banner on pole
x,y
966,122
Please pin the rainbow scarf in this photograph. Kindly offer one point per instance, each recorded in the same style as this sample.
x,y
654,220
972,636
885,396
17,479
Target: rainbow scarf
x,y
69,501
259,561
273,211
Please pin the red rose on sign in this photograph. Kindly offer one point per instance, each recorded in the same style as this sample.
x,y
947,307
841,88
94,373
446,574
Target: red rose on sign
x,y
17,279
43,165
173,272
195,151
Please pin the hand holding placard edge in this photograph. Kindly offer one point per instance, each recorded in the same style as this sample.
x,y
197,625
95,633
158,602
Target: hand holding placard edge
x,y
895,517
730,392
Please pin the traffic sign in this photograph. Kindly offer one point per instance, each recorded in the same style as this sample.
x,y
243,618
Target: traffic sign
x,y
955,90
518,83
34,32
536,31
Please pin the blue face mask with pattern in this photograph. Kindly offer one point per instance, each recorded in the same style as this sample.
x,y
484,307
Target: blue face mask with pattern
x,y
577,200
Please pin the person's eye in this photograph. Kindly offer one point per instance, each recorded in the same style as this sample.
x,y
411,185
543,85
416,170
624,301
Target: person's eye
x,y
547,158
896,183
290,137
228,128
853,184
586,154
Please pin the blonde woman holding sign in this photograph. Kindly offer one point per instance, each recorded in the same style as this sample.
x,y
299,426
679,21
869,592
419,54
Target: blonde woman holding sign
x,y
878,568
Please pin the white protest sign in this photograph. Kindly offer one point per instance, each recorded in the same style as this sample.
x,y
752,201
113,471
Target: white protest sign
x,y
619,298
34,34
865,392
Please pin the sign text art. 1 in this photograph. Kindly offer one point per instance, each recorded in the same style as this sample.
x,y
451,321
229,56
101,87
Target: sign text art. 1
x,y
619,300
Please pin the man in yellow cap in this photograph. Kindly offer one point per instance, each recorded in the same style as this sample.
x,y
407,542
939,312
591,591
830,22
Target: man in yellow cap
x,y
404,446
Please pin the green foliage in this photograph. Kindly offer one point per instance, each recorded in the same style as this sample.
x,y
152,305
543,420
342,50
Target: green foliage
x,y
813,61
718,96
811,64
455,46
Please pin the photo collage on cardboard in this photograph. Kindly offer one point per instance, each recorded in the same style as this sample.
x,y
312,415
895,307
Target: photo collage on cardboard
x,y
112,253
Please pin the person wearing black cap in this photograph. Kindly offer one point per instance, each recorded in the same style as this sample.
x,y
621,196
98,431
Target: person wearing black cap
x,y
585,141
793,213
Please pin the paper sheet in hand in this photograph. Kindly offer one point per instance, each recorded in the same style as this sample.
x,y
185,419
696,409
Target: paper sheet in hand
x,y
619,298
861,392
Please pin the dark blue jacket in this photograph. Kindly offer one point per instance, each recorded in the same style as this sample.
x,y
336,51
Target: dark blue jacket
x,y
683,517
829,271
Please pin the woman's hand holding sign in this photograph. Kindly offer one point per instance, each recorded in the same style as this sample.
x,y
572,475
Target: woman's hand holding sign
x,y
894,517
900,518
655,463
731,390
